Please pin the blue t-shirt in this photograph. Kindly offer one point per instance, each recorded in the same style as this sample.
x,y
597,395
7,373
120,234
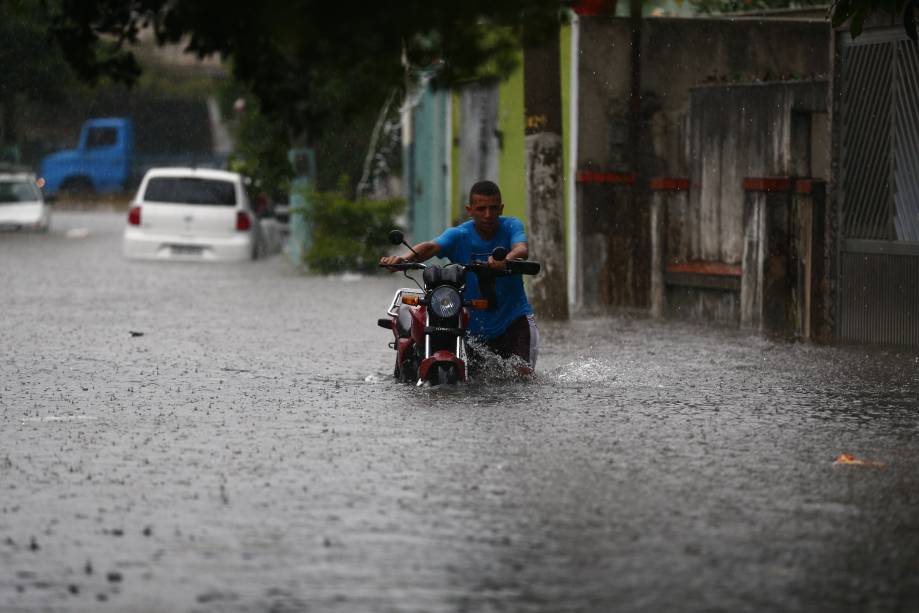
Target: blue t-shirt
x,y
463,244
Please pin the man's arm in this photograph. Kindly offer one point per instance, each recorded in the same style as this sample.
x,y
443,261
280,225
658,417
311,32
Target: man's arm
x,y
425,250
519,251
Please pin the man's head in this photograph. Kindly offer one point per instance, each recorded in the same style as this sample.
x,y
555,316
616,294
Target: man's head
x,y
485,188
485,207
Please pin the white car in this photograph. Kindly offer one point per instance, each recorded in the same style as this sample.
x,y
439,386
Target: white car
x,y
22,205
197,214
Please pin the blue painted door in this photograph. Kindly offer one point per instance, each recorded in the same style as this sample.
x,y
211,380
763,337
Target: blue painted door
x,y
429,166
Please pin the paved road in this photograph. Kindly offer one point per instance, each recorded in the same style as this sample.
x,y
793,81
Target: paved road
x,y
247,452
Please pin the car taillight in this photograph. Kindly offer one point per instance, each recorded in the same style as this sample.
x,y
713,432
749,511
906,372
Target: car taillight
x,y
134,216
243,223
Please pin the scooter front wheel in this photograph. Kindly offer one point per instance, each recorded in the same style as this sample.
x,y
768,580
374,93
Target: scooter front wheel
x,y
446,374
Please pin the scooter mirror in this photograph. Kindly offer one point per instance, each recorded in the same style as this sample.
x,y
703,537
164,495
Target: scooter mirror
x,y
395,237
499,253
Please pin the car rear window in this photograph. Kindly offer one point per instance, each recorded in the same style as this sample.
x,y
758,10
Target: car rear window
x,y
190,190
18,191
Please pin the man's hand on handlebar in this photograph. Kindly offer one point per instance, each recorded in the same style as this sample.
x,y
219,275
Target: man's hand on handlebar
x,y
392,260
499,265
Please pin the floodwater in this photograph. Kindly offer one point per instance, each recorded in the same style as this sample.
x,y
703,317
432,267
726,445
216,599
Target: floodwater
x,y
189,437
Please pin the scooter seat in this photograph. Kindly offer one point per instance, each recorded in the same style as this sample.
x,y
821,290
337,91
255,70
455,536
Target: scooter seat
x,y
404,321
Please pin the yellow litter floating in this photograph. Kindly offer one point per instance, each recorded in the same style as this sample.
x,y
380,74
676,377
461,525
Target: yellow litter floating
x,y
850,460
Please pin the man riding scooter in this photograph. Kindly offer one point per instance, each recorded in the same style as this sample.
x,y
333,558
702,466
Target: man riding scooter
x,y
510,329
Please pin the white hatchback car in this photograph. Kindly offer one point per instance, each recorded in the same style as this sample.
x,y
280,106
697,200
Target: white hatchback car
x,y
22,205
196,214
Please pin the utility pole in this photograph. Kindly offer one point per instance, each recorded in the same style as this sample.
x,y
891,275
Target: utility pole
x,y
542,95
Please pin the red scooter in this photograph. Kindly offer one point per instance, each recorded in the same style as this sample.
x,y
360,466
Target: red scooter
x,y
429,323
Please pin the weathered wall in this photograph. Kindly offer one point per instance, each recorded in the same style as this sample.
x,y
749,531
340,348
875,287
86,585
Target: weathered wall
x,y
739,131
603,92
679,54
476,138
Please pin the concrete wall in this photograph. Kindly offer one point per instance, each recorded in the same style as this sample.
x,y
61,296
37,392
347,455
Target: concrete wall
x,y
739,131
477,137
678,54
603,92
736,132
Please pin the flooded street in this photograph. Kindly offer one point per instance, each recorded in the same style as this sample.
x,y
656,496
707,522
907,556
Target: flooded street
x,y
200,437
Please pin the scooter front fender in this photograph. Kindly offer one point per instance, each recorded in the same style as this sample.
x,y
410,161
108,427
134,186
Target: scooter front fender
x,y
442,357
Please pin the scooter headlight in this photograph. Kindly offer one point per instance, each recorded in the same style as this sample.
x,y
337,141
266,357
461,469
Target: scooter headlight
x,y
445,302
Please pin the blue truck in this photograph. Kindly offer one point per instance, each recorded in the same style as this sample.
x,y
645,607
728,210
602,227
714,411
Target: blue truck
x,y
106,160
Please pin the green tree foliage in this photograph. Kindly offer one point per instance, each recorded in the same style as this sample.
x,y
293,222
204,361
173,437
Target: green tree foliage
x,y
30,67
306,60
853,13
261,145
348,234
342,145
857,12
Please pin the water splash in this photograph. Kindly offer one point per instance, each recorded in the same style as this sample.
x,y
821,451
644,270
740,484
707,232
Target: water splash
x,y
53,418
589,370
489,368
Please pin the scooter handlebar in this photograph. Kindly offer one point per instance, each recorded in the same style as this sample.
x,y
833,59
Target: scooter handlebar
x,y
512,267
523,267
404,266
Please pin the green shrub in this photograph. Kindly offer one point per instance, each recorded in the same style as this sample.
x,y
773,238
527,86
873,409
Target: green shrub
x,y
348,234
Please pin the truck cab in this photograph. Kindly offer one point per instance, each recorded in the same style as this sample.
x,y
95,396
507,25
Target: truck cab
x,y
102,161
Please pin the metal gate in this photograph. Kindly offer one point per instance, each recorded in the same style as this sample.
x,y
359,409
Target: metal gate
x,y
878,285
